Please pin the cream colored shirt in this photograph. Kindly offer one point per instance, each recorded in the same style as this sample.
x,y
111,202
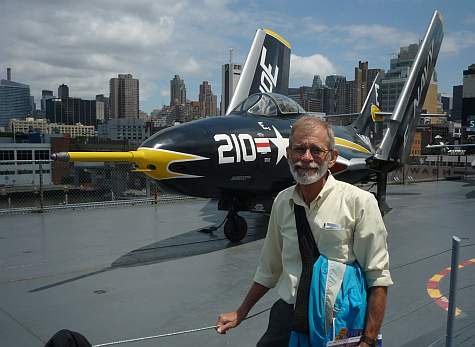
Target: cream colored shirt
x,y
347,226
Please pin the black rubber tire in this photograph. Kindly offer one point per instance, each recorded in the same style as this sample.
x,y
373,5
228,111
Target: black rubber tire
x,y
235,228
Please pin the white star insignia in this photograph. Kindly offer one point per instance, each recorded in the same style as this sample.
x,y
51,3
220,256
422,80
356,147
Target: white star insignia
x,y
281,144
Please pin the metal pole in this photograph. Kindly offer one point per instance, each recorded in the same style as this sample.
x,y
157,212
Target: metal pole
x,y
147,186
438,167
465,171
41,186
452,292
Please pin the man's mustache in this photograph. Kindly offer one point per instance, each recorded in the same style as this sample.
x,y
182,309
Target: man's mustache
x,y
300,165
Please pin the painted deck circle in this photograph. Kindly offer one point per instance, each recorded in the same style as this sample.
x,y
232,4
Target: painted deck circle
x,y
433,286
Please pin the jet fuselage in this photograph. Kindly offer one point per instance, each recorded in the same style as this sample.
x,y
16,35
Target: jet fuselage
x,y
240,154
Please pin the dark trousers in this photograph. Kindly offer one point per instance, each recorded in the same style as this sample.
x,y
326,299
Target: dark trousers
x,y
280,323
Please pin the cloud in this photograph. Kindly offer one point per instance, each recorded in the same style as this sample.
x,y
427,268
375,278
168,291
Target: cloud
x,y
363,36
455,42
192,67
302,69
311,27
358,37
148,89
85,44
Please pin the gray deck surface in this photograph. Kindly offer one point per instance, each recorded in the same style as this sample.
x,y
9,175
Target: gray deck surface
x,y
128,272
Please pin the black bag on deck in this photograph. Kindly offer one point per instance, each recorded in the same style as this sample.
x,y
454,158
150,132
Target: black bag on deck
x,y
68,338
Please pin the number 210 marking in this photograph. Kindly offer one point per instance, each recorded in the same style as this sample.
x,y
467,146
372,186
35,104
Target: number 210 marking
x,y
238,144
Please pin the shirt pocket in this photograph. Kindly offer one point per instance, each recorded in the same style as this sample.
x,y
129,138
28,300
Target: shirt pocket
x,y
334,242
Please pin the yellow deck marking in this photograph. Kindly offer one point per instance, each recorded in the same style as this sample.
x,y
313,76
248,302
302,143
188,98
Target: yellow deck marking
x,y
434,293
436,278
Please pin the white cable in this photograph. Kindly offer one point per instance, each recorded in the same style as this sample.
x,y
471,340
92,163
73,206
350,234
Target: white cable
x,y
172,334
155,336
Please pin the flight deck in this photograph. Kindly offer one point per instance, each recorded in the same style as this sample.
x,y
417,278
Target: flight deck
x,y
119,273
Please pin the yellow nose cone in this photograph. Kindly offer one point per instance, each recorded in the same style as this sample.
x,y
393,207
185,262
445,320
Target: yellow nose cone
x,y
156,162
153,162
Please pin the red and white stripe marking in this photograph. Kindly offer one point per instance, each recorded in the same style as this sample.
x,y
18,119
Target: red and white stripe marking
x,y
262,145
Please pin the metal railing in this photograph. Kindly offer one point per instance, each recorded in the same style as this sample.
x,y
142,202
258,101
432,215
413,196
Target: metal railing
x,y
38,185
432,168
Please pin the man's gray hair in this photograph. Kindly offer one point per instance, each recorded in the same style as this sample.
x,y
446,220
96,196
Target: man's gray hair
x,y
313,122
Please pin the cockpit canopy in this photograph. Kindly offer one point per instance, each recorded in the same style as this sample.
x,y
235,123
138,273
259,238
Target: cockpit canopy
x,y
269,105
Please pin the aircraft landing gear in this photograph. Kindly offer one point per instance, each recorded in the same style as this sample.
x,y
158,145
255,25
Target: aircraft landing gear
x,y
235,228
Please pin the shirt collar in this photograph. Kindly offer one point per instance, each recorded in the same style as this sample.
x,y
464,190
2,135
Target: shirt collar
x,y
296,197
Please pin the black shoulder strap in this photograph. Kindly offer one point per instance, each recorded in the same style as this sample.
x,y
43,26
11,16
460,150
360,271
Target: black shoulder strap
x,y
309,254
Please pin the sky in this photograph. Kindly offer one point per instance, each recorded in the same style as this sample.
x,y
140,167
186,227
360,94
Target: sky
x,y
85,43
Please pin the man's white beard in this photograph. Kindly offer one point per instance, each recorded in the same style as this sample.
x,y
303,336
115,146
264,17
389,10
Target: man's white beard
x,y
306,177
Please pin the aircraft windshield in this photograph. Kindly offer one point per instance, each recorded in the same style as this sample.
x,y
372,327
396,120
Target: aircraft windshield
x,y
265,106
286,104
269,104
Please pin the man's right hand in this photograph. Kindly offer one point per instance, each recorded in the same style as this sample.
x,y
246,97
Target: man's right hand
x,y
228,321
231,320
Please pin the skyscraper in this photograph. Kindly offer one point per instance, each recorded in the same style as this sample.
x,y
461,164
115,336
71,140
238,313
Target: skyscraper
x,y
396,76
468,103
469,82
45,95
230,74
306,97
32,105
351,97
14,100
317,82
332,81
208,101
105,100
327,95
124,97
338,84
71,111
446,101
177,91
393,82
364,78
63,91
457,103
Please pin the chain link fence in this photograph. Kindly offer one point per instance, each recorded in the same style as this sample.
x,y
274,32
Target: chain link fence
x,y
36,185
433,168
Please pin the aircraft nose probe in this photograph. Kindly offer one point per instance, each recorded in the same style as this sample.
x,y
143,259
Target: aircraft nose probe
x,y
61,156
132,156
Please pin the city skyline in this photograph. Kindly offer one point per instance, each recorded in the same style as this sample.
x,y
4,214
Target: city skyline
x,y
154,41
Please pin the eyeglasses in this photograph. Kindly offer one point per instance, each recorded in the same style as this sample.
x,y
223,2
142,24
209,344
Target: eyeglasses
x,y
315,151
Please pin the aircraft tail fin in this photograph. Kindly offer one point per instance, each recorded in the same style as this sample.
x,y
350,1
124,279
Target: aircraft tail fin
x,y
266,69
397,139
365,124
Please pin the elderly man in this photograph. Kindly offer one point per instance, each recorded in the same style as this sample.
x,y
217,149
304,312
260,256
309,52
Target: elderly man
x,y
346,225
